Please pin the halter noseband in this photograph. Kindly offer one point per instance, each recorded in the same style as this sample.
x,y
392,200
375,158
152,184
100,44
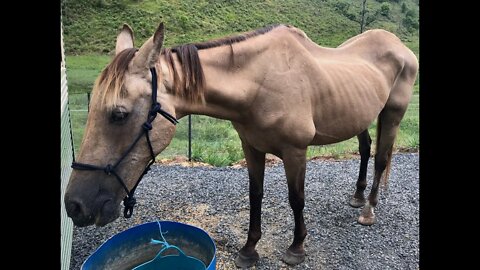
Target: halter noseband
x,y
129,201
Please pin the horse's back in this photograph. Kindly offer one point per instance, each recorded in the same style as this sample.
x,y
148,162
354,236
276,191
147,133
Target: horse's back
x,y
358,79
397,62
339,92
382,49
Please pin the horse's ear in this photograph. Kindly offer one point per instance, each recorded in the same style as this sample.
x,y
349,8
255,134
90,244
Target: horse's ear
x,y
124,39
149,53
157,45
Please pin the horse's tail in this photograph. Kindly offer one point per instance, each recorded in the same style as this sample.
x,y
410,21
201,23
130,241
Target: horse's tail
x,y
386,172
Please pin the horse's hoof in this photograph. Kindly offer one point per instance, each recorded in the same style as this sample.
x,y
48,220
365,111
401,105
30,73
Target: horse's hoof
x,y
366,221
293,258
242,261
367,217
356,202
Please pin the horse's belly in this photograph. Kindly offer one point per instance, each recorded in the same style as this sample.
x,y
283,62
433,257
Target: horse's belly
x,y
323,137
343,126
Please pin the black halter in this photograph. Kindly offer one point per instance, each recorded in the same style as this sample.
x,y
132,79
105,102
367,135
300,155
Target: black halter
x,y
129,201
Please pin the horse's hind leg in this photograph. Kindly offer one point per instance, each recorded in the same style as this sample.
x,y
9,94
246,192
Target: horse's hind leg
x,y
295,164
248,256
388,123
364,142
387,127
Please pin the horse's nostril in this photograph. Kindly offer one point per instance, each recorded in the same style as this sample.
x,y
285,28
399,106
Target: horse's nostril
x,y
80,212
74,209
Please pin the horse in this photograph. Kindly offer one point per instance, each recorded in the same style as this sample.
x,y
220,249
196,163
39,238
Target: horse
x,y
281,91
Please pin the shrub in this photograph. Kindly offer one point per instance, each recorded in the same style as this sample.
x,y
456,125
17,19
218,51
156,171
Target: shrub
x,y
410,21
385,9
342,7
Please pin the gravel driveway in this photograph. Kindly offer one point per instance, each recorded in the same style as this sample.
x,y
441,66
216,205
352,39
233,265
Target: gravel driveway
x,y
216,199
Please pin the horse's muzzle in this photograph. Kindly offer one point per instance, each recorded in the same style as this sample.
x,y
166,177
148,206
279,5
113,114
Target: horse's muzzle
x,y
102,212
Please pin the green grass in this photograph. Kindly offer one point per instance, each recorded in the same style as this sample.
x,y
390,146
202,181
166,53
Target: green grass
x,y
78,115
91,26
83,70
215,141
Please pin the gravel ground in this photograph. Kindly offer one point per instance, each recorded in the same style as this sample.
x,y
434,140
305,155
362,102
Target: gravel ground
x,y
216,199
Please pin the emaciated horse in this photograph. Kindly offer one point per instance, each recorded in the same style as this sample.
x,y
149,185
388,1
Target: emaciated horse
x,y
282,93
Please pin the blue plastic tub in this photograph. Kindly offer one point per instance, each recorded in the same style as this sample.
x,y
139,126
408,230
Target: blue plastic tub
x,y
132,247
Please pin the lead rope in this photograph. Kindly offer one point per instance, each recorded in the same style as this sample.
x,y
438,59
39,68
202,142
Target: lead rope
x,y
129,201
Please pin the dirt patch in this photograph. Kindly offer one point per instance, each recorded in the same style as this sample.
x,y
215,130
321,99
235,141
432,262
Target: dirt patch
x,y
182,161
196,215
270,160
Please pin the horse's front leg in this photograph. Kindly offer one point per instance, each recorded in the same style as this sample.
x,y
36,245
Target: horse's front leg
x,y
248,256
295,164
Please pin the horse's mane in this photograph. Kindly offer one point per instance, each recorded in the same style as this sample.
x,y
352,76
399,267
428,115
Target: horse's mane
x,y
192,87
112,77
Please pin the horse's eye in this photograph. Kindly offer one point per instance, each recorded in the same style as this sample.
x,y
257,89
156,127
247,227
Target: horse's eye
x,y
118,115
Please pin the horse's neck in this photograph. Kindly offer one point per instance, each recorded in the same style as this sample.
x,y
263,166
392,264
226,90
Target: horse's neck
x,y
230,87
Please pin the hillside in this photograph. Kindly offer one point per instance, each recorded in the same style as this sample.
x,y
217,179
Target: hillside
x,y
90,26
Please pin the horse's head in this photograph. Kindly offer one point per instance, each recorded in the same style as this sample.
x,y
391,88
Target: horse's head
x,y
121,103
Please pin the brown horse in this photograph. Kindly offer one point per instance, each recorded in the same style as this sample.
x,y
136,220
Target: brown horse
x,y
282,93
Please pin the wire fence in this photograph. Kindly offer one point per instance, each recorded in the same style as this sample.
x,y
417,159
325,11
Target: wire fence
x,y
66,154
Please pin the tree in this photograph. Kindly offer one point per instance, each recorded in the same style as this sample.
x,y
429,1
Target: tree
x,y
385,9
410,21
342,7
404,7
362,22
365,17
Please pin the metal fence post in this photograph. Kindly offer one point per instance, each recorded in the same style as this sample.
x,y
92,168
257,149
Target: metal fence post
x,y
88,102
189,137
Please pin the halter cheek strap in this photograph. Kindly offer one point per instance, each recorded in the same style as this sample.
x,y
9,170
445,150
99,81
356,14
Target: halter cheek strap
x,y
129,201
